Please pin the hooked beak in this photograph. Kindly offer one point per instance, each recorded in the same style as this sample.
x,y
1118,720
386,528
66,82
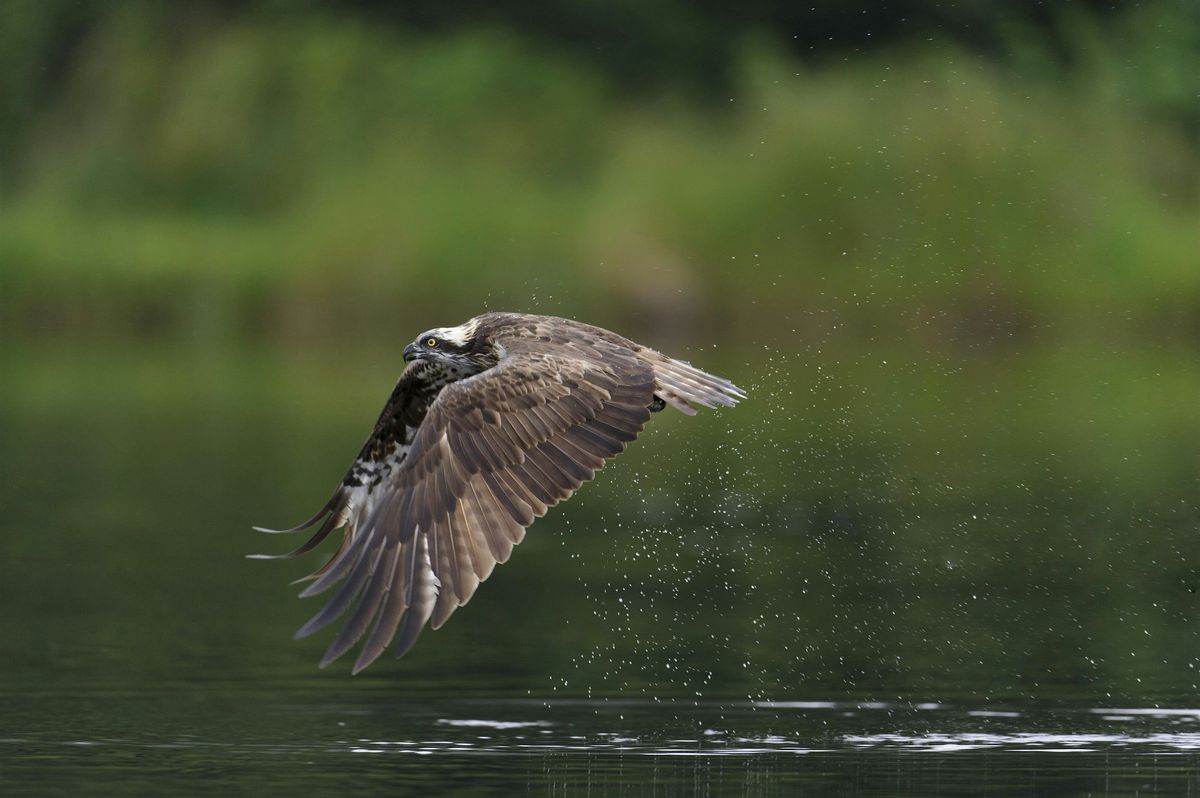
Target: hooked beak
x,y
410,353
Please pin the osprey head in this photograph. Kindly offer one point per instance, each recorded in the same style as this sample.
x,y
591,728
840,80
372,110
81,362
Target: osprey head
x,y
456,348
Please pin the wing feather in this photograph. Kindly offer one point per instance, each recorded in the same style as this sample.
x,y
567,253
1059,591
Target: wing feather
x,y
444,606
317,539
486,514
508,481
364,562
481,551
599,437
337,568
413,559
465,578
382,574
579,465
424,596
445,567
559,484
517,508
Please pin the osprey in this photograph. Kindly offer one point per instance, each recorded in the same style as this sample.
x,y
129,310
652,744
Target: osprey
x,y
491,423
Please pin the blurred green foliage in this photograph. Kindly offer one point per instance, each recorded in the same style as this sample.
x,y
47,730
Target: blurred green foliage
x,y
259,176
637,45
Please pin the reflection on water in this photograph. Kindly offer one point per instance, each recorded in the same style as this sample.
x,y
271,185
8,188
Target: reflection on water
x,y
509,736
294,742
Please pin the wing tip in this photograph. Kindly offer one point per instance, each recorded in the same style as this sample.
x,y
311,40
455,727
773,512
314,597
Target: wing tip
x,y
367,655
315,589
320,514
269,531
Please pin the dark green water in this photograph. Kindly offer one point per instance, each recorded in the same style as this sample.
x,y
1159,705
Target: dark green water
x,y
806,594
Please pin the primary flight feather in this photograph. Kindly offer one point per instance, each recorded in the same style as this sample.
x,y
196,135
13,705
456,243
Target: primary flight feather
x,y
491,423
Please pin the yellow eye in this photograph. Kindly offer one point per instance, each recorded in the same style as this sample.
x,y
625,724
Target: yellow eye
x,y
431,342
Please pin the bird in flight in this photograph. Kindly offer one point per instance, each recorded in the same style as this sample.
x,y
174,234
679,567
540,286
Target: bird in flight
x,y
491,423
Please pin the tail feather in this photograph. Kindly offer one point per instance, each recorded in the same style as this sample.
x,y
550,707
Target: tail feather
x,y
683,386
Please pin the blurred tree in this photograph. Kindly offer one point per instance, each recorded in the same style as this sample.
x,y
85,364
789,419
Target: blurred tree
x,y
691,44
36,40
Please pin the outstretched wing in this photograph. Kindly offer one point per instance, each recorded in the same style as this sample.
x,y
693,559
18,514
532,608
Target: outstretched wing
x,y
492,454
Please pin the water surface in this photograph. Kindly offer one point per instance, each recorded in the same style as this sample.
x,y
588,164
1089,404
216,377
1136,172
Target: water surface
x,y
218,739
820,616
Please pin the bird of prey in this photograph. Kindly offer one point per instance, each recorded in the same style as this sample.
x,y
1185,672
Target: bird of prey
x,y
491,423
